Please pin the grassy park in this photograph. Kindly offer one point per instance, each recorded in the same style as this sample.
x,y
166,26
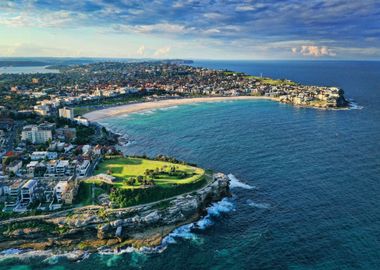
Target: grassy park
x,y
139,180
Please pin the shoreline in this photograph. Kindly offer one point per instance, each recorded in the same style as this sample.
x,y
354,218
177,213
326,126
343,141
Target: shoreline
x,y
126,109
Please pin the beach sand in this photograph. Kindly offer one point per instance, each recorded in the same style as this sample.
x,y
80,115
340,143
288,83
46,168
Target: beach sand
x,y
151,105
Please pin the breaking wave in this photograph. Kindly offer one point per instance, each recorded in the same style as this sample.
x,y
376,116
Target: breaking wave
x,y
184,232
354,106
236,183
213,212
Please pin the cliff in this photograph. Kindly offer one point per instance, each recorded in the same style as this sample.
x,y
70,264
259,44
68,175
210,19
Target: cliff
x,y
90,228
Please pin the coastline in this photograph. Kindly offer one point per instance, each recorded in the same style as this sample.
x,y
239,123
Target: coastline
x,y
151,105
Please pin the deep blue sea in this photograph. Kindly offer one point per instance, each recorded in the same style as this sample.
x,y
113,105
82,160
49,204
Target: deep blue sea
x,y
312,193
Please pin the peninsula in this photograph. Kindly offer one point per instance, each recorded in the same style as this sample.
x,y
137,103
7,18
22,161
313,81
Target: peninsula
x,y
64,185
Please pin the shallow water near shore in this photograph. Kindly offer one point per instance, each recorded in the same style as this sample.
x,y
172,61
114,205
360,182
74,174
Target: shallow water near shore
x,y
309,180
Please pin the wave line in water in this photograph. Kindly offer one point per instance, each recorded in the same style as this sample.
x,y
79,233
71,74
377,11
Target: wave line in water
x,y
236,183
258,205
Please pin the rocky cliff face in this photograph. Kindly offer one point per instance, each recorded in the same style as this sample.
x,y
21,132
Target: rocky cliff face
x,y
103,226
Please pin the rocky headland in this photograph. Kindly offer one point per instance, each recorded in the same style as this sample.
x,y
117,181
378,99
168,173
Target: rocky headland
x,y
93,228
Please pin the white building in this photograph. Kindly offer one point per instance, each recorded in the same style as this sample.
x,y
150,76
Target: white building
x,y
36,134
14,195
27,192
31,167
82,120
40,155
42,110
51,167
66,113
60,189
62,167
83,168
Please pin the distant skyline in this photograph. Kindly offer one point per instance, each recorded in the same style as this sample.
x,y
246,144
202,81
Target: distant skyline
x,y
210,29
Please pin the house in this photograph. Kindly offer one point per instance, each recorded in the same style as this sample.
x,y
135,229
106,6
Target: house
x,y
30,168
60,189
69,195
61,167
14,166
67,113
42,110
82,168
51,166
13,198
40,155
27,192
82,121
65,191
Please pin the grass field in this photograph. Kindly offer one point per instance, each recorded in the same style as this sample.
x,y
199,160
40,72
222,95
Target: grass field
x,y
273,82
159,180
126,168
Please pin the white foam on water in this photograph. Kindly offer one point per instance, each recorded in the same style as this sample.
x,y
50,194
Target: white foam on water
x,y
11,251
355,106
146,112
186,231
168,108
258,205
236,183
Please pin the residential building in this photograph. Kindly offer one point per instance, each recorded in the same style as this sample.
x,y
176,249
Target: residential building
x,y
31,167
82,120
14,195
82,168
66,134
67,113
27,191
14,166
62,167
37,134
41,155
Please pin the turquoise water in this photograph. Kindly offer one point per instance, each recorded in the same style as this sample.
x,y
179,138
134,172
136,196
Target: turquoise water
x,y
313,194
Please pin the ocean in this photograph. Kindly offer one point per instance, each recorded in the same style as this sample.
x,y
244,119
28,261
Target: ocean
x,y
306,189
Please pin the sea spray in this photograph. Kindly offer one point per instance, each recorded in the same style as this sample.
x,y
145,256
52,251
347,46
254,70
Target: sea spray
x,y
236,183
214,211
354,106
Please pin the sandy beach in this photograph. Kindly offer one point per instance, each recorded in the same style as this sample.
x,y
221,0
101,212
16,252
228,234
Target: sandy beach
x,y
137,107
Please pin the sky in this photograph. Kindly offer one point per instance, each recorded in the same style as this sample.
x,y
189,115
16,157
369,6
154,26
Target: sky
x,y
191,29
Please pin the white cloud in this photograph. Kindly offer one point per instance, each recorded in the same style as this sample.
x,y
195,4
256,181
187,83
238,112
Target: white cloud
x,y
141,50
314,51
164,51
52,19
245,8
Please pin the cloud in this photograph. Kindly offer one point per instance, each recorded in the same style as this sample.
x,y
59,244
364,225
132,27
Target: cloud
x,y
141,51
245,8
161,52
254,24
314,51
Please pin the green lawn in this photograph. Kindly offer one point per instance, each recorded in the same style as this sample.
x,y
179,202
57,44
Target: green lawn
x,y
168,180
270,81
126,168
